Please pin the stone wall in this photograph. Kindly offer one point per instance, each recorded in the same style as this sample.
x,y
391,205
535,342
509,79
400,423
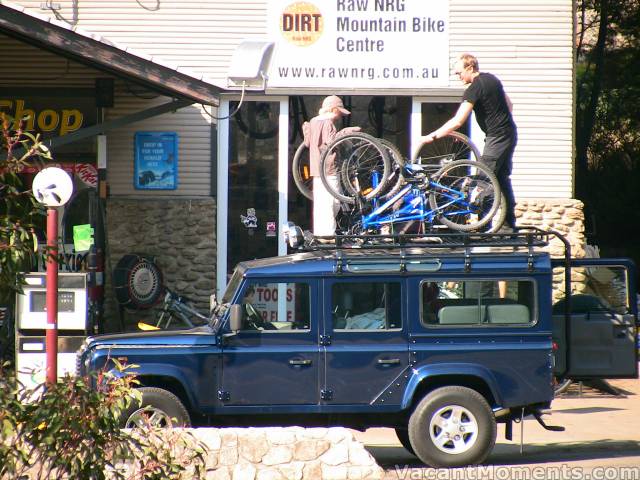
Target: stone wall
x,y
276,453
180,234
567,217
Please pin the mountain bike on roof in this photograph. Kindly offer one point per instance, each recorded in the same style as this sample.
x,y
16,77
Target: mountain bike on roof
x,y
442,185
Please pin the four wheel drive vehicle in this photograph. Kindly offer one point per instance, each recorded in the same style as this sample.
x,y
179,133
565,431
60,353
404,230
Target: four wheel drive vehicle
x,y
439,338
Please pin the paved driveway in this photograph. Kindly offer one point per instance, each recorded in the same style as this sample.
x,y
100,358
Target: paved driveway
x,y
601,441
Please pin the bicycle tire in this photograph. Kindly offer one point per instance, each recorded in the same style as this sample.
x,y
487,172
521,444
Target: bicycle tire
x,y
354,157
396,177
452,147
301,169
481,189
260,113
501,215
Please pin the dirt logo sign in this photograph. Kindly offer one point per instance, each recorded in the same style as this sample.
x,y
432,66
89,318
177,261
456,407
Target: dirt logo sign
x,y
301,23
359,44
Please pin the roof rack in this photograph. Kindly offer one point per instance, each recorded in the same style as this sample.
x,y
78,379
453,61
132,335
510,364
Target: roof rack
x,y
524,239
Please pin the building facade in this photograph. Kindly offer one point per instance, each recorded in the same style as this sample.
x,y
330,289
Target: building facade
x,y
152,81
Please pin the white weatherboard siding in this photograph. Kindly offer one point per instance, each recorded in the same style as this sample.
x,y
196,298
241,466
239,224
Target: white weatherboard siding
x,y
47,70
194,146
528,45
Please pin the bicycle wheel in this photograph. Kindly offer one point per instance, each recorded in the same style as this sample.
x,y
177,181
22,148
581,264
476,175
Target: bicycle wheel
x,y
301,170
465,195
360,162
396,178
501,215
454,146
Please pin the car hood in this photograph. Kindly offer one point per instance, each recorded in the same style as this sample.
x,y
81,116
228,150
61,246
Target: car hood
x,y
195,336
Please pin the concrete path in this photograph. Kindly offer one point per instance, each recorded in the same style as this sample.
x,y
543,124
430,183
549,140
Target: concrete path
x,y
601,440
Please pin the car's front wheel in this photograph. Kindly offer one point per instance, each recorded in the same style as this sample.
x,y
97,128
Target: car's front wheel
x,y
451,427
159,408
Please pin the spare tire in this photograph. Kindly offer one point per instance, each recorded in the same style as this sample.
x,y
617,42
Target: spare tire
x,y
137,282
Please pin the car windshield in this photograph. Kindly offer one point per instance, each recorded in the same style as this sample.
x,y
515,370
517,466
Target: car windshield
x,y
223,305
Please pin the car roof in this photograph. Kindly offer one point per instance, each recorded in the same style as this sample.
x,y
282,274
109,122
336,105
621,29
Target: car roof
x,y
394,261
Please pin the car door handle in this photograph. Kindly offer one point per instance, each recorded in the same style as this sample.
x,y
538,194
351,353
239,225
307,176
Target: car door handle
x,y
299,362
388,361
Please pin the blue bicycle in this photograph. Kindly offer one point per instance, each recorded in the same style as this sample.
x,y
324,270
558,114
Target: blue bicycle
x,y
443,184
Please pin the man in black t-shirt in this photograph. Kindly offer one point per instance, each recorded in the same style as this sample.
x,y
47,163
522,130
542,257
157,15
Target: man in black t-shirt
x,y
486,97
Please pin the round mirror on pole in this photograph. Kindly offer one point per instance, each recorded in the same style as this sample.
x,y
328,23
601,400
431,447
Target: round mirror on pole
x,y
52,187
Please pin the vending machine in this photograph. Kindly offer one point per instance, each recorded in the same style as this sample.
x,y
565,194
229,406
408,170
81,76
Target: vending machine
x,y
31,324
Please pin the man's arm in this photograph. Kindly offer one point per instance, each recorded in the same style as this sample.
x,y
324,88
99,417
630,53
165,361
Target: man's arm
x,y
464,110
509,102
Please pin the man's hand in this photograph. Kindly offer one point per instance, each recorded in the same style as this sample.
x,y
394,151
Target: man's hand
x,y
427,139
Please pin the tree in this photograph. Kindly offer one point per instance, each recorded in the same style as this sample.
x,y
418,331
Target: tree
x,y
607,122
19,211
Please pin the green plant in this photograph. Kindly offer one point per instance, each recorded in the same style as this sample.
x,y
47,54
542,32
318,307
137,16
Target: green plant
x,y
19,211
71,430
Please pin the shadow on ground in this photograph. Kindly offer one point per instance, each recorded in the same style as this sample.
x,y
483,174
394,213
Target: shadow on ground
x,y
389,457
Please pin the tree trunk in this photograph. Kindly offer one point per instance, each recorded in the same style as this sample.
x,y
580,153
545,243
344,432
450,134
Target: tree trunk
x,y
585,127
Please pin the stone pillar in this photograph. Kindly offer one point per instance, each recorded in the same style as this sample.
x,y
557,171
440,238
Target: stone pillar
x,y
567,217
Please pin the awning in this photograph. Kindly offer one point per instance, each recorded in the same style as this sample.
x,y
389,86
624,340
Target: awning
x,y
102,54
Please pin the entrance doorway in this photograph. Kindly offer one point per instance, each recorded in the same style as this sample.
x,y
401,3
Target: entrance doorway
x,y
256,192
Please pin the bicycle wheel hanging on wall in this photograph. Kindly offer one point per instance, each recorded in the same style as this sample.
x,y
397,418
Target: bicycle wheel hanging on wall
x,y
360,164
137,282
301,169
261,122
452,147
465,195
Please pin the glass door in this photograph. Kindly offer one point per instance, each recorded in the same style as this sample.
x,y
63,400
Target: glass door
x,y
249,184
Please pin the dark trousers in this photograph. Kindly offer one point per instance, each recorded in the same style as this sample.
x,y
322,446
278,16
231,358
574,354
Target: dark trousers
x,y
498,156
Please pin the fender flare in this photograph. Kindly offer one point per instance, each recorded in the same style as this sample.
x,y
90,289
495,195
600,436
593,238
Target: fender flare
x,y
161,370
424,372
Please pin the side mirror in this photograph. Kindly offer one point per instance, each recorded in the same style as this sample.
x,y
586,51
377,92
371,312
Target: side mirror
x,y
236,317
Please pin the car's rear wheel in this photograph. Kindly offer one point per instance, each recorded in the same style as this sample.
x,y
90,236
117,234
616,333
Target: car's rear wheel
x,y
451,427
403,436
158,408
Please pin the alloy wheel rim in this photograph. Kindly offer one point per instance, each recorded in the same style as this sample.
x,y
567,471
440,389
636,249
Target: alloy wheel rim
x,y
453,429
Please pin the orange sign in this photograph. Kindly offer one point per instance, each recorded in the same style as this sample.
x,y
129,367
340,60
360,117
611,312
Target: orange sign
x,y
301,23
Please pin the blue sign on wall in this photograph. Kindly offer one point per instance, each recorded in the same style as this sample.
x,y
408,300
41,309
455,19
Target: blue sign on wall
x,y
156,161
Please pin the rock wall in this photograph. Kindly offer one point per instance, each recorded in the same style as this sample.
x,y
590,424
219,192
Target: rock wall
x,y
180,234
276,453
567,217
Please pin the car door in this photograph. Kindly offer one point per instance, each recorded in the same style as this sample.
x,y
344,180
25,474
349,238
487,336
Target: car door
x,y
273,359
598,337
364,339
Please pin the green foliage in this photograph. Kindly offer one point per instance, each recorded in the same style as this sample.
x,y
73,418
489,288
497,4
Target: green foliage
x,y
73,431
19,211
607,122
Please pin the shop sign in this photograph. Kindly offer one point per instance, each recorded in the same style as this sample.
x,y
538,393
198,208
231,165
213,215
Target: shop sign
x,y
156,161
51,115
266,302
359,43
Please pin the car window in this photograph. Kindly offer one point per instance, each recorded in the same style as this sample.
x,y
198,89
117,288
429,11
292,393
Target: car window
x,y
276,307
373,306
477,302
598,288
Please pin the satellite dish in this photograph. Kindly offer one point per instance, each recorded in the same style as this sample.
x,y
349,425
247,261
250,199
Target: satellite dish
x,y
52,187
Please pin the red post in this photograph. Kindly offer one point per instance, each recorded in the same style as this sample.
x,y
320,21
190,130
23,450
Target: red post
x,y
51,343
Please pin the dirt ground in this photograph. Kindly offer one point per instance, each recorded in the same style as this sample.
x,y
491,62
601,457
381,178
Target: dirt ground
x,y
601,441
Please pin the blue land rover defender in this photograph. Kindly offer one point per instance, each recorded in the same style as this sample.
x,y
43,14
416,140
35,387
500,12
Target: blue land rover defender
x,y
437,337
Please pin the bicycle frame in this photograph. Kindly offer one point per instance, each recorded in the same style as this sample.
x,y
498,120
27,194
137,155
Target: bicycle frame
x,y
415,205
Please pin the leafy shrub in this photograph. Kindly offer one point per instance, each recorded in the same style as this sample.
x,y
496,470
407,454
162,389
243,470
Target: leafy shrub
x,y
73,431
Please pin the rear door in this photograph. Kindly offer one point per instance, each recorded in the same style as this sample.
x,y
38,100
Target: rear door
x,y
364,340
596,331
